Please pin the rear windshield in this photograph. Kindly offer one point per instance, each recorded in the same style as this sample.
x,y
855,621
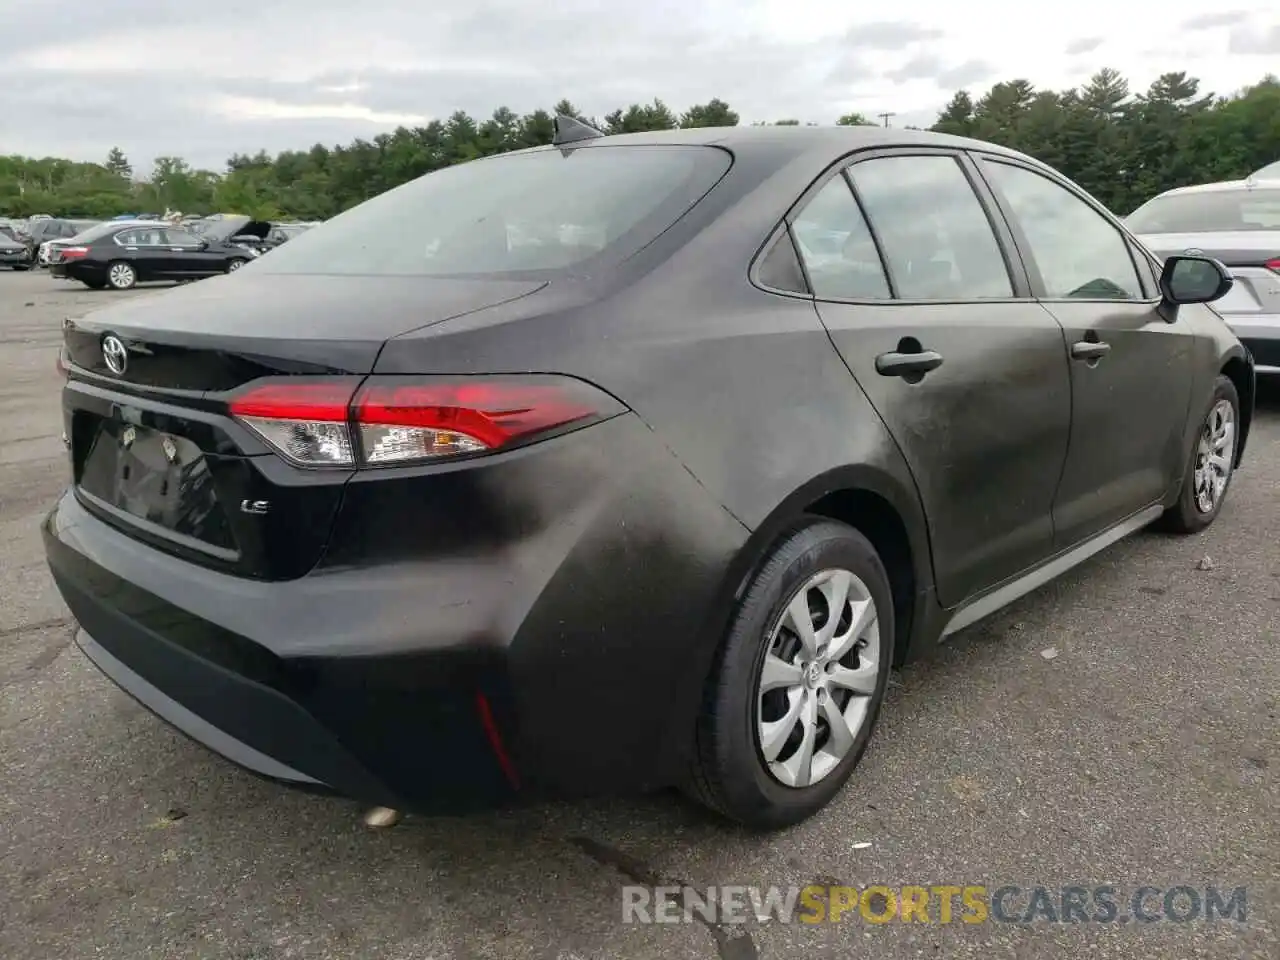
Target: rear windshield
x,y
98,231
524,215
1219,211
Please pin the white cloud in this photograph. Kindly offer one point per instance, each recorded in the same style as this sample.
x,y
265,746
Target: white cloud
x,y
155,77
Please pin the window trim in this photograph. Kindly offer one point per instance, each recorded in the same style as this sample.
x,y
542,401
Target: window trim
x,y
1038,286
1019,276
780,233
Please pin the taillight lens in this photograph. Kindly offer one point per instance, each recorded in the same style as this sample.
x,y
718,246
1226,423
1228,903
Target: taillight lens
x,y
306,422
1273,265
391,421
73,253
61,365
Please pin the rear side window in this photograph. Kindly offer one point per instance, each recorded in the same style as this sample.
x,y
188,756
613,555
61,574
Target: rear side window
x,y
837,247
934,232
534,215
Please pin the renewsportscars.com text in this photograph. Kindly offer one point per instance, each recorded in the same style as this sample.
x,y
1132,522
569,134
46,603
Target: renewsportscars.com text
x,y
936,904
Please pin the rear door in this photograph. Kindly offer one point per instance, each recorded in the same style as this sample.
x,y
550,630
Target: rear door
x,y
933,316
1130,359
144,248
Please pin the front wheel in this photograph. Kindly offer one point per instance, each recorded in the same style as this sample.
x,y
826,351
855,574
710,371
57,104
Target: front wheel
x,y
1212,464
235,264
799,682
121,276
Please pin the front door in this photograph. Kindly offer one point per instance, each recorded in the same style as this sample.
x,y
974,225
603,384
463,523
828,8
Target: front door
x,y
189,257
1129,357
967,372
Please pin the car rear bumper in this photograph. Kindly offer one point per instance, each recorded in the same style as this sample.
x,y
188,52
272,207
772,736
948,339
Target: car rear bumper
x,y
78,270
567,662
1261,335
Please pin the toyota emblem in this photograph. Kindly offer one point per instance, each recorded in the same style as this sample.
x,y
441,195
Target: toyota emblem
x,y
114,352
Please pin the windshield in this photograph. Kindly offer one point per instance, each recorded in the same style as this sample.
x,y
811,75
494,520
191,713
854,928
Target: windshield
x,y
7,231
525,215
1218,211
1270,172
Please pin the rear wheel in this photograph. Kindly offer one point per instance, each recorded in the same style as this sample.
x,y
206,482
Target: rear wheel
x,y
1212,464
235,264
94,284
121,275
799,681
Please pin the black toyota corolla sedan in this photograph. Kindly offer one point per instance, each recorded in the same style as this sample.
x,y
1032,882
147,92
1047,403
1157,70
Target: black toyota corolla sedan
x,y
121,254
577,470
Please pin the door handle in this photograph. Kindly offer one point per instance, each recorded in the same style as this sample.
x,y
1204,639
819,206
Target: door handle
x,y
1089,350
896,364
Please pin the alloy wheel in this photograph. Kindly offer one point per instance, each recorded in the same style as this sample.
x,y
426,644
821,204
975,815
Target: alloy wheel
x,y
121,276
818,678
1215,456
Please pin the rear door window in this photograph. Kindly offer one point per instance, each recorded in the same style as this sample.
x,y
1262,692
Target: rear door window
x,y
935,234
837,248
523,215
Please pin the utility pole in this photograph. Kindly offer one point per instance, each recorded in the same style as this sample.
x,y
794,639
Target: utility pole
x,y
885,117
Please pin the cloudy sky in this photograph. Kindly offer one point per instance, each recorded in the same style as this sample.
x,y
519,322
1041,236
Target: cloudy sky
x,y
204,80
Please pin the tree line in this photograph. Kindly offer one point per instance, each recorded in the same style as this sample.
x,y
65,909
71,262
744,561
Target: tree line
x,y
1121,146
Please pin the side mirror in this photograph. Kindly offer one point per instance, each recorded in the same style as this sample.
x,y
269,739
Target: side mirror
x,y
1187,279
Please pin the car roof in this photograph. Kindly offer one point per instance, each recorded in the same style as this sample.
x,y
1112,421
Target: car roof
x,y
787,142
1223,186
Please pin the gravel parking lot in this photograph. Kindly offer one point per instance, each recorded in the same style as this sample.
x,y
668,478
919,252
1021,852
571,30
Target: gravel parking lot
x,y
1144,753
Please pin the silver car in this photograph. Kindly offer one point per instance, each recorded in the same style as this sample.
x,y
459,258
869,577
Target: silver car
x,y
1238,223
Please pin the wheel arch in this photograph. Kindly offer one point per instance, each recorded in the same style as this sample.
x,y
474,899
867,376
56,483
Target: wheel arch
x,y
1236,368
879,507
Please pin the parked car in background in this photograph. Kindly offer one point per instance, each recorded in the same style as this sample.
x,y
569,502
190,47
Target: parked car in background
x,y
1238,223
413,513
1270,172
13,252
40,232
122,255
283,232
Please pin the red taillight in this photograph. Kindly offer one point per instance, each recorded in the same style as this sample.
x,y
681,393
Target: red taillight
x,y
1273,265
61,363
399,420
72,253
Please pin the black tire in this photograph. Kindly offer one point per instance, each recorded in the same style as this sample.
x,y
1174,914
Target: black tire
x,y
21,267
1186,516
235,263
132,275
95,284
730,774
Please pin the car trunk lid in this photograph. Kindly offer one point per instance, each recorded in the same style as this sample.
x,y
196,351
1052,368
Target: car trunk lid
x,y
153,447
1246,253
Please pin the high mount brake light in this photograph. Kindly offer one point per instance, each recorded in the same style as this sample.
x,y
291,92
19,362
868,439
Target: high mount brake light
x,y
398,420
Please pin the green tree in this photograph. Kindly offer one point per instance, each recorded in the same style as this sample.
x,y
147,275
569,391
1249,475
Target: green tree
x,y
1121,147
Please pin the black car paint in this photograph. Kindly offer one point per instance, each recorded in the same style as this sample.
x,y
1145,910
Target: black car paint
x,y
543,622
191,258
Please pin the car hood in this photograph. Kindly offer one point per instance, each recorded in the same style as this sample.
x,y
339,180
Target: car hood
x,y
220,231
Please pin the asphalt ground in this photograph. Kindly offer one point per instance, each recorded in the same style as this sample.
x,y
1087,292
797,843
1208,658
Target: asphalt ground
x,y
1143,753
